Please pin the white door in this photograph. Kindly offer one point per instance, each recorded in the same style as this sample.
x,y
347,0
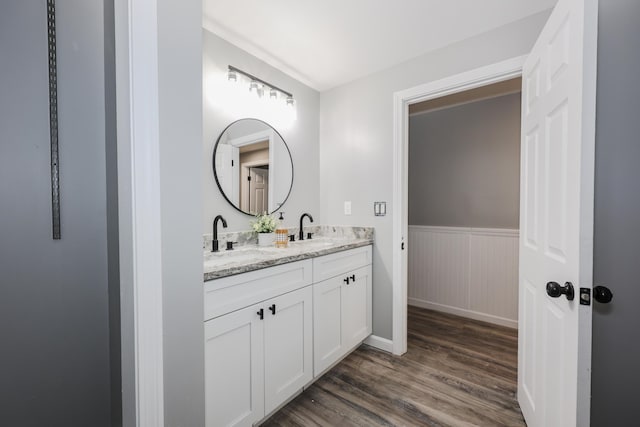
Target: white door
x,y
556,217
234,369
288,345
227,171
258,190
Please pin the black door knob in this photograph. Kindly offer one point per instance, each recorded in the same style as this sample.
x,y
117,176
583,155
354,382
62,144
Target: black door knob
x,y
602,294
554,290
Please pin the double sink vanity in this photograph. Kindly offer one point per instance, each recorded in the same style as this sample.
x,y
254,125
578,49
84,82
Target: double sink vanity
x,y
278,318
275,318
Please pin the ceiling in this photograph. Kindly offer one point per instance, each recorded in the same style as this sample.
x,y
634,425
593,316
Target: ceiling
x,y
326,43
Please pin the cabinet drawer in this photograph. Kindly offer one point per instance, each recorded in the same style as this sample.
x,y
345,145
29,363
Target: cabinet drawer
x,y
232,293
332,265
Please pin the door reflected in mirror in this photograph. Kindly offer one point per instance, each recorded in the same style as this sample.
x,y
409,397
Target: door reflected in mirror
x,y
252,166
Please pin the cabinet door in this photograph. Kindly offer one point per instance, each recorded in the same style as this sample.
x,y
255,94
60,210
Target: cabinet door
x,y
234,370
327,323
356,307
287,346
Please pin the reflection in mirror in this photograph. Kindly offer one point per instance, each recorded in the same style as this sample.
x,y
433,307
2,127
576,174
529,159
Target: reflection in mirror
x,y
253,167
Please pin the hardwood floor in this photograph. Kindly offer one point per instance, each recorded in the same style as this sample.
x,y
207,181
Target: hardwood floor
x,y
456,372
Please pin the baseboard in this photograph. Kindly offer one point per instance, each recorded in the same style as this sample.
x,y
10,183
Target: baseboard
x,y
510,323
380,343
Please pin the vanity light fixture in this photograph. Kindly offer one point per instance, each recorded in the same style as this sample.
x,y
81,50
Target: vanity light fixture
x,y
260,86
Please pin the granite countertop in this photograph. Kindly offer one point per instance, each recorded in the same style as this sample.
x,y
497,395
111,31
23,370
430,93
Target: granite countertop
x,y
252,257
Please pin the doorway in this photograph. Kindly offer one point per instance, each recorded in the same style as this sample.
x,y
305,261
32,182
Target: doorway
x,y
463,199
474,79
254,177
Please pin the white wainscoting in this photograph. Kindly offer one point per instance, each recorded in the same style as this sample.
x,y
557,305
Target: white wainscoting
x,y
470,272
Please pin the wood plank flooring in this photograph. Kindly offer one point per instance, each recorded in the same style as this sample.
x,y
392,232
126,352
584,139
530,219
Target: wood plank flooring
x,y
456,372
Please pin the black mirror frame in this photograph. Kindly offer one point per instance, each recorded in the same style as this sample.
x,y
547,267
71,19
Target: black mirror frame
x,y
215,174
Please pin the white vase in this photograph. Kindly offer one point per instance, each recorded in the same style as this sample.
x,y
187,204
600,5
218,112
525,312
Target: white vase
x,y
266,239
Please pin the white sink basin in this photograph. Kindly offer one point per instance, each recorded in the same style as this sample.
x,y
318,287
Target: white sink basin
x,y
313,243
239,256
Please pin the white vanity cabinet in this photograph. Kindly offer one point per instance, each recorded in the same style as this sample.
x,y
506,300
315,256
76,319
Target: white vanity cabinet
x,y
269,332
341,305
258,356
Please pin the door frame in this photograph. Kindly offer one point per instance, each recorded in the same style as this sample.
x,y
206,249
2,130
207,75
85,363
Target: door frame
x,y
267,135
483,76
137,94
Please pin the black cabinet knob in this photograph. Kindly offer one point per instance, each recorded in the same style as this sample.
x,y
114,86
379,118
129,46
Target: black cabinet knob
x,y
554,290
353,277
273,309
261,313
346,280
602,294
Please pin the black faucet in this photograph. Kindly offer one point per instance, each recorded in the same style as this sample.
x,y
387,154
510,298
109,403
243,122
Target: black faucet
x,y
214,244
301,234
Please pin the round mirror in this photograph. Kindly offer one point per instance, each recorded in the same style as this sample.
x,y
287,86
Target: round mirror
x,y
253,167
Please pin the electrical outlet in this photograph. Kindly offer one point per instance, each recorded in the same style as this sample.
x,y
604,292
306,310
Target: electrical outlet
x,y
347,207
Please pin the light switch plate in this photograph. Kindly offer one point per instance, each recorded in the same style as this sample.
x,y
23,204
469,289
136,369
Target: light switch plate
x,y
347,207
379,208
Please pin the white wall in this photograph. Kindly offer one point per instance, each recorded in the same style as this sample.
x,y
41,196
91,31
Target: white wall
x,y
464,165
180,136
301,136
356,140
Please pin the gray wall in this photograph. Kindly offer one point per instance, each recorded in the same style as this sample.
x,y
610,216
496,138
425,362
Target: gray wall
x,y
54,318
616,347
219,110
180,117
356,140
113,239
464,165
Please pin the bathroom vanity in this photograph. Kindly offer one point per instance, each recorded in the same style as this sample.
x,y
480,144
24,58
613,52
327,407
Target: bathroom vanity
x,y
277,319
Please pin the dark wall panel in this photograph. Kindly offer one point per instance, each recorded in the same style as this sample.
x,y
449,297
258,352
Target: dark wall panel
x,y
54,330
616,343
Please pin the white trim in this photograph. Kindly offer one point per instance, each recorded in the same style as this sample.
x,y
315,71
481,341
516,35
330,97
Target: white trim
x,y
139,208
483,76
476,315
252,138
379,343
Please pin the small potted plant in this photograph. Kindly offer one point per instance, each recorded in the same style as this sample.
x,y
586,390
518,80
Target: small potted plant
x,y
265,225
